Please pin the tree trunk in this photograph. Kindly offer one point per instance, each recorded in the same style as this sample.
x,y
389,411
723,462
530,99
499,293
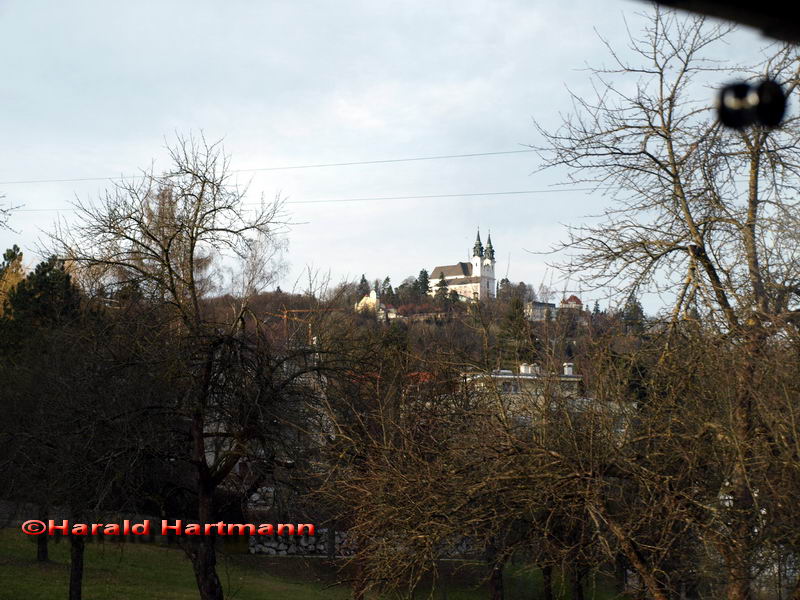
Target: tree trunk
x,y
491,552
330,542
496,582
620,574
202,549
576,583
645,572
739,589
203,553
795,595
204,562
42,551
547,582
359,592
738,558
76,548
689,587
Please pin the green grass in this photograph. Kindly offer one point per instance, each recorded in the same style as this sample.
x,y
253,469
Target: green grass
x,y
152,572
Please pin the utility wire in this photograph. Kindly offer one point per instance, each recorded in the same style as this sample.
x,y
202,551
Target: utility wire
x,y
382,198
435,196
388,160
285,168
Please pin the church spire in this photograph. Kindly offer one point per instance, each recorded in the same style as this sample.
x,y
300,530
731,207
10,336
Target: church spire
x,y
477,249
489,248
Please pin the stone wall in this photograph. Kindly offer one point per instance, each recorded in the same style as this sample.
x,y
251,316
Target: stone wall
x,y
316,545
302,545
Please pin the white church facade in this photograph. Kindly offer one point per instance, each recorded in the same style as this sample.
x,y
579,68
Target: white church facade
x,y
472,280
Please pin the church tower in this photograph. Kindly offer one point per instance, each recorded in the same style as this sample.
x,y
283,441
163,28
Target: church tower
x,y
477,257
488,270
473,280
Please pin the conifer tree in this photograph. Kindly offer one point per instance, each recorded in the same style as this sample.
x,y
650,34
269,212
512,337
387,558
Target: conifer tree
x,y
45,296
11,273
423,283
442,295
387,293
363,288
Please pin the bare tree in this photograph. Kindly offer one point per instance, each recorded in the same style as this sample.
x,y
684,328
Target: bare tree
x,y
5,212
424,466
698,210
704,214
159,239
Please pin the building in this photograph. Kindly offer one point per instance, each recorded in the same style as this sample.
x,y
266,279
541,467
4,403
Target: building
x,y
540,311
532,393
371,303
547,311
572,303
472,280
530,382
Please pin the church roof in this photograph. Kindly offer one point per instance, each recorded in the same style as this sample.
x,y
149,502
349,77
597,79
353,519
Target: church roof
x,y
489,248
463,280
477,249
460,269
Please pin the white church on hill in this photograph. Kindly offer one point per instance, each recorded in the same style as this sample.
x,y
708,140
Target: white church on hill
x,y
472,280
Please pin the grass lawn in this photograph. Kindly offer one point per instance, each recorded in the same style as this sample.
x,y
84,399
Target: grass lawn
x,y
151,572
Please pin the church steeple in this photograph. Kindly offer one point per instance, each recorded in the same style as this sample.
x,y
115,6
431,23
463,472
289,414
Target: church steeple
x,y
489,248
477,249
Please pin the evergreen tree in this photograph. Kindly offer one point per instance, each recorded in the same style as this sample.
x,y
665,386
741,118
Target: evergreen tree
x,y
633,315
596,309
442,295
516,344
407,292
11,257
514,322
44,301
387,293
363,288
423,283
11,273
46,296
504,290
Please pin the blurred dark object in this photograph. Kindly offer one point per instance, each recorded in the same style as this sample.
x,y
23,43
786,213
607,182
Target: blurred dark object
x,y
741,104
771,103
779,20
736,105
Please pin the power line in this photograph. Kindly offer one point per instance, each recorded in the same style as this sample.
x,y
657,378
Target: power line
x,y
383,198
436,196
389,160
555,190
285,168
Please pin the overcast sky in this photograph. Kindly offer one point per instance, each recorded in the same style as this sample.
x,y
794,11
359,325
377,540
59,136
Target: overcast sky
x,y
93,89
